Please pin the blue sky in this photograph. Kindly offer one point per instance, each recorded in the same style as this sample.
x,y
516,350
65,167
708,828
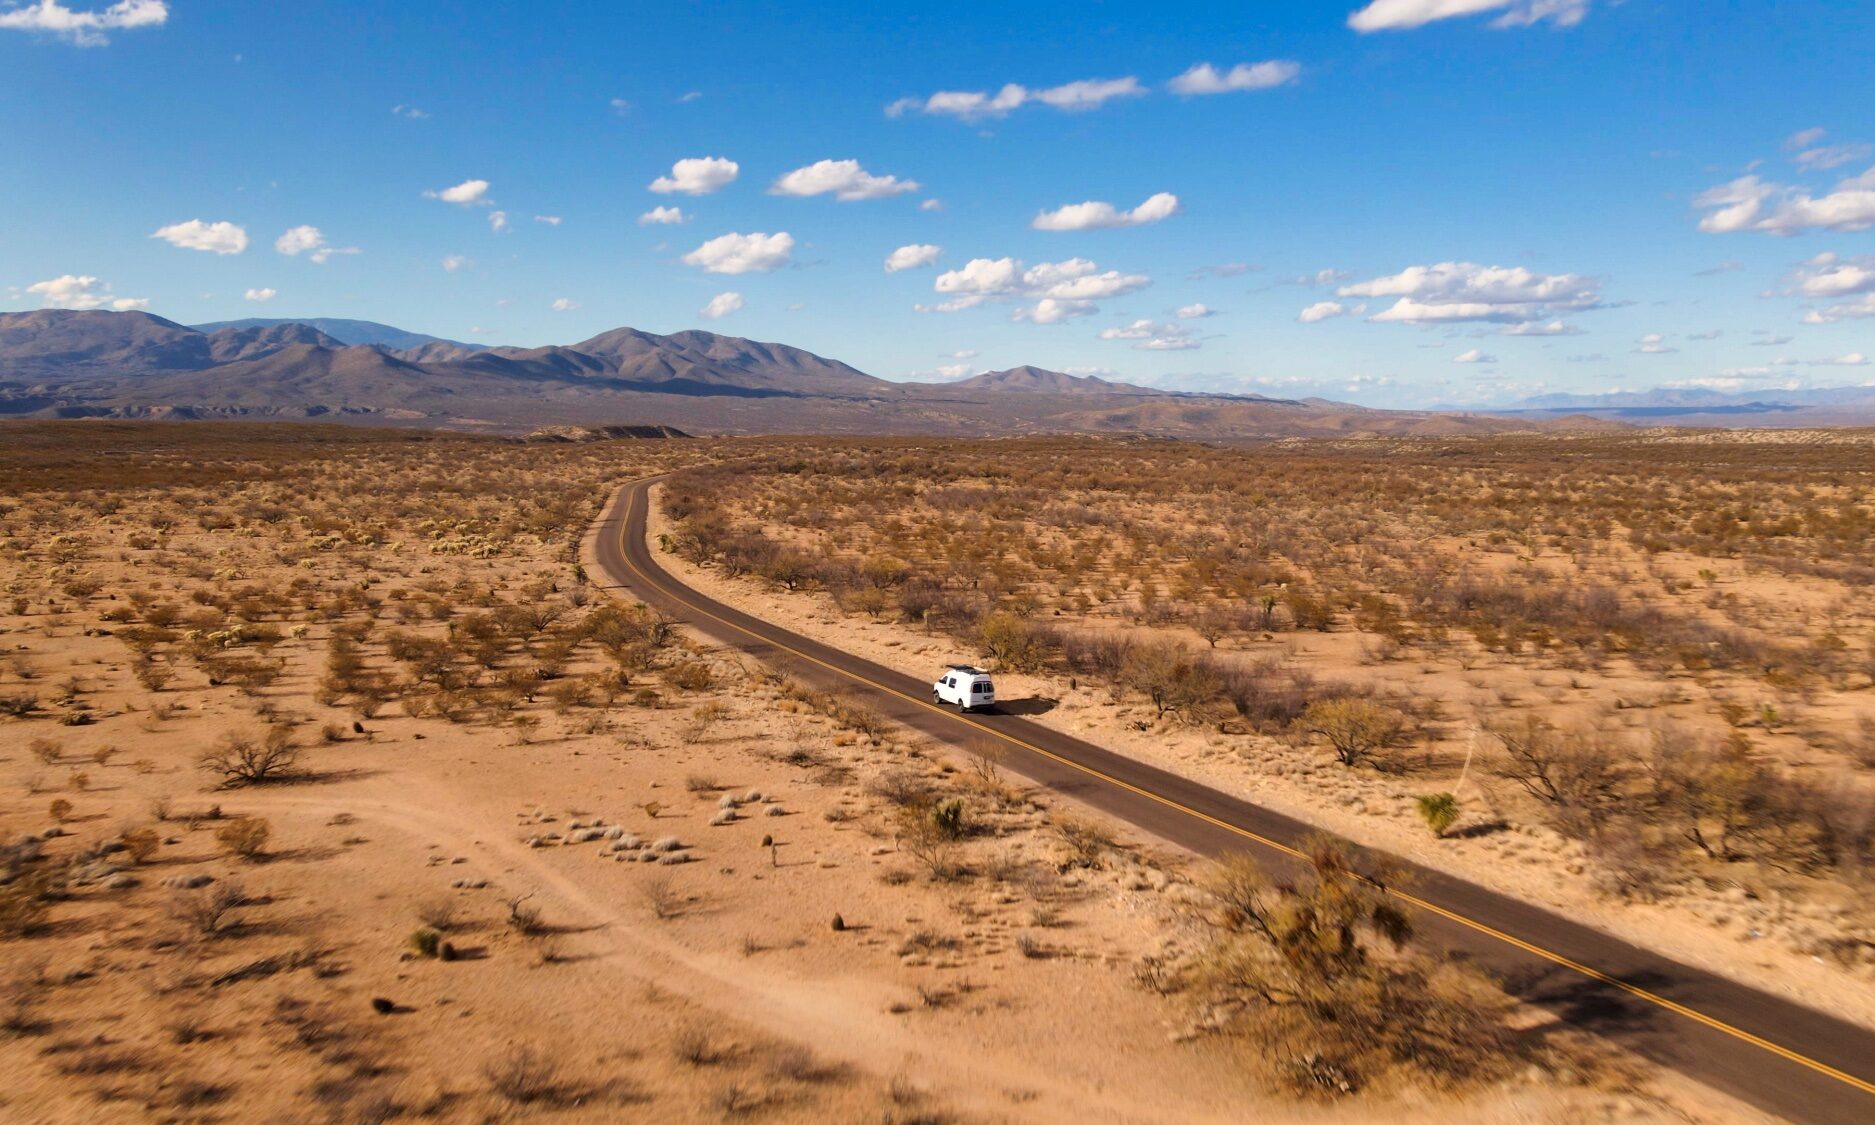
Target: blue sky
x,y
1472,200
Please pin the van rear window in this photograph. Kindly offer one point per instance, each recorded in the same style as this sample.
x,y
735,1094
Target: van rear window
x,y
981,689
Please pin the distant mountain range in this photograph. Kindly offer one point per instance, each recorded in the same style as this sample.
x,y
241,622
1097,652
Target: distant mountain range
x,y
90,364
1703,406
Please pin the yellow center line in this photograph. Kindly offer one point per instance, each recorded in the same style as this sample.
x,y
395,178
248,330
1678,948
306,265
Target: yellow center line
x,y
640,490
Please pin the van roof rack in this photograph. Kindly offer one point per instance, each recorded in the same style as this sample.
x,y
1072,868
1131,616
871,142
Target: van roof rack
x,y
966,668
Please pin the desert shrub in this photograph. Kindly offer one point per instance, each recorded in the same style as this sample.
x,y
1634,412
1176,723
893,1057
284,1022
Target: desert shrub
x,y
141,844
1439,811
1088,841
1015,644
1579,779
207,910
1330,1012
921,837
426,942
529,1077
1358,730
25,903
245,837
242,760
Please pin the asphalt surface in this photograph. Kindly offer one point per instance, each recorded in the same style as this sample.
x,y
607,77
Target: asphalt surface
x,y
1771,1052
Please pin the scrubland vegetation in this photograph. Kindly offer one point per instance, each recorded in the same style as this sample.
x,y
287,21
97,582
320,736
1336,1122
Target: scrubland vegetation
x,y
330,789
1656,650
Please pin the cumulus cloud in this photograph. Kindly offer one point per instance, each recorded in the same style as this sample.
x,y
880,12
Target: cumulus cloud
x,y
1152,337
845,180
1853,359
1326,310
1653,344
912,257
663,215
498,221
721,306
931,205
743,253
215,238
1206,79
564,304
1196,312
454,262
1060,290
310,241
1753,204
1224,269
1465,291
87,27
72,291
698,175
411,112
972,105
1400,15
1473,356
550,220
1094,215
262,295
1830,156
468,193
1830,277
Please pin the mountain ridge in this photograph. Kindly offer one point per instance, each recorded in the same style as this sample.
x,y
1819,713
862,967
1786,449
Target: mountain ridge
x,y
98,363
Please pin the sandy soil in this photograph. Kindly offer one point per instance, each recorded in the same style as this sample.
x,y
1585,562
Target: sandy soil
x,y
709,988
1724,933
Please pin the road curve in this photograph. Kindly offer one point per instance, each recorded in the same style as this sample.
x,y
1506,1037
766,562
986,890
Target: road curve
x,y
1774,1053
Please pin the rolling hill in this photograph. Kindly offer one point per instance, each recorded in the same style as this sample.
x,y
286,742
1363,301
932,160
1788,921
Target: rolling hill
x,y
59,363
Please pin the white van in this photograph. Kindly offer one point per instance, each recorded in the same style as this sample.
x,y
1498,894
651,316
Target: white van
x,y
965,686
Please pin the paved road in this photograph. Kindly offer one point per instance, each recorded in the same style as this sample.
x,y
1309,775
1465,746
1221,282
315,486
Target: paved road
x,y
1776,1054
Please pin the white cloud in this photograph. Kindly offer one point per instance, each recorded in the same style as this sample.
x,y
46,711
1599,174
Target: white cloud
x,y
74,292
1060,289
1196,312
1853,359
620,106
564,304
721,306
1154,337
1398,15
1749,203
1225,269
663,215
298,240
85,28
1828,275
1324,310
1138,330
498,221
1830,156
411,112
1051,310
1534,328
1473,356
743,253
1654,344
1804,138
262,295
931,205
964,353
912,257
215,238
1466,291
1205,78
454,262
1708,334
1771,342
468,193
550,220
1094,215
972,105
955,370
698,175
845,180
310,241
